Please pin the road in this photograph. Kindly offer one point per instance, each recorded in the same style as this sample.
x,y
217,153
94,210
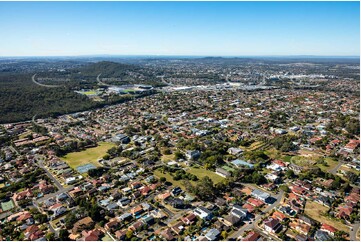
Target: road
x,y
167,83
43,85
54,194
353,232
334,170
100,82
246,227
39,163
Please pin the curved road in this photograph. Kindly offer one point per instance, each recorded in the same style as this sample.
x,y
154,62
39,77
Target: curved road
x,y
167,83
43,85
100,82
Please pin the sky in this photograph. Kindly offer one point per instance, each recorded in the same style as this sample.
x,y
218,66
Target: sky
x,y
179,28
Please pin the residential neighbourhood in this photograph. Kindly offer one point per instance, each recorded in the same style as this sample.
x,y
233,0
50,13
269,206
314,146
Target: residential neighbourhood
x,y
201,164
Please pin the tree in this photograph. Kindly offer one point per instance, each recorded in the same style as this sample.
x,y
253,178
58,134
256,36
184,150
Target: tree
x,y
285,188
167,151
70,219
129,233
50,236
289,174
224,234
205,189
63,234
162,179
178,155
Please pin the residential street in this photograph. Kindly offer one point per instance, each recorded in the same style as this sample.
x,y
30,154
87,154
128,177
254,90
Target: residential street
x,y
353,232
246,227
39,163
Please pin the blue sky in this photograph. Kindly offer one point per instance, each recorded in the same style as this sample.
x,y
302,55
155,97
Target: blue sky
x,y
179,28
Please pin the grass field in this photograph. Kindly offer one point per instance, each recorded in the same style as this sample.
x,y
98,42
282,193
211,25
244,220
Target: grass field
x,y
200,173
315,210
302,161
90,92
331,163
87,156
169,178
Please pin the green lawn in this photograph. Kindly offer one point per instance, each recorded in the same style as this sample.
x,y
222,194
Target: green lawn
x,y
87,156
89,92
201,172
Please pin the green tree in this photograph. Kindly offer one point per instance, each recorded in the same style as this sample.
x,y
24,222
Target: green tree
x,y
129,234
63,234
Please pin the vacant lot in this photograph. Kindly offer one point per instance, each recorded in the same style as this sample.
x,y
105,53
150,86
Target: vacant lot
x,y
315,211
88,156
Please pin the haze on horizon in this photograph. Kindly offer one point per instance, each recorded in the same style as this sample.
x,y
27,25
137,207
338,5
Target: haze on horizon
x,y
180,28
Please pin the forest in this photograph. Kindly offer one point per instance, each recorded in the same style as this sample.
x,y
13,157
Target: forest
x,y
21,99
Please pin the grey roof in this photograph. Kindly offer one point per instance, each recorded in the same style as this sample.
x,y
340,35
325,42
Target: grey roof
x,y
204,209
239,214
322,236
124,216
212,234
261,194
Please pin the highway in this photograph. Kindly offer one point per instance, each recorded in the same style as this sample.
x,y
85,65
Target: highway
x,y
100,82
43,85
167,83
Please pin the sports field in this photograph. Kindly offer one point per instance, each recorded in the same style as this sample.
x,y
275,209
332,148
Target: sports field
x,y
88,156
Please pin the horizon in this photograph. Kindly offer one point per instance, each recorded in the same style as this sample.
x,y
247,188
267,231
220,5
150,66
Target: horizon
x,y
184,56
225,29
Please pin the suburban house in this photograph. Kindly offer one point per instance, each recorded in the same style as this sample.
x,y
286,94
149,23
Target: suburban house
x,y
272,225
